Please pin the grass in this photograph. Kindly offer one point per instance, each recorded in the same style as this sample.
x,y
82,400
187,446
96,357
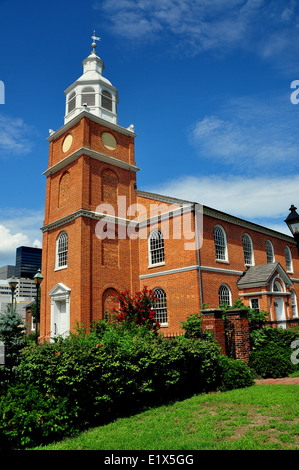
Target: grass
x,y
261,417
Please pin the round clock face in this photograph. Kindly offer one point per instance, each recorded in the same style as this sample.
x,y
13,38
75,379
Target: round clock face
x,y
67,143
109,140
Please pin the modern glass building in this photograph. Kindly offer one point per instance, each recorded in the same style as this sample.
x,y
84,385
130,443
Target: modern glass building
x,y
28,261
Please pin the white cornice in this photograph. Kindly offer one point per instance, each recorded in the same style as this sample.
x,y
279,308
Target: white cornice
x,y
246,224
170,271
91,215
218,215
91,153
94,118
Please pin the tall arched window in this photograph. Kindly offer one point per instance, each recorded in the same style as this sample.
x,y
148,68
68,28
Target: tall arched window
x,y
247,249
61,250
288,258
88,96
224,295
220,243
156,247
71,104
294,303
160,305
269,252
106,100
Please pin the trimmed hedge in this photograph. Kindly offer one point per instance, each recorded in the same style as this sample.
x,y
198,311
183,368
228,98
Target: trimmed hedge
x,y
88,379
271,355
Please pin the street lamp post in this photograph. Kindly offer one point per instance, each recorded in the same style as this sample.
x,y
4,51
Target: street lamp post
x,y
38,279
292,222
12,284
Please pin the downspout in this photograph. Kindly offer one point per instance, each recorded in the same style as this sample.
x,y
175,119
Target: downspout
x,y
198,253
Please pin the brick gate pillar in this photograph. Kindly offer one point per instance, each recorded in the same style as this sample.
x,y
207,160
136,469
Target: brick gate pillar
x,y
238,333
212,321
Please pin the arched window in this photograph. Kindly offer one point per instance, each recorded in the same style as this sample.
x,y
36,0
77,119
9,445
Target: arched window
x,y
247,249
224,295
61,250
106,100
277,287
88,96
160,305
71,102
294,303
269,252
220,243
288,258
156,247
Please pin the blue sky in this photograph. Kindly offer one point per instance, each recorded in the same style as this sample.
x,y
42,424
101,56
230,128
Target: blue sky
x,y
206,83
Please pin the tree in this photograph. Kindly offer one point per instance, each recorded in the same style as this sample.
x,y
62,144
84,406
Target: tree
x,y
137,309
12,334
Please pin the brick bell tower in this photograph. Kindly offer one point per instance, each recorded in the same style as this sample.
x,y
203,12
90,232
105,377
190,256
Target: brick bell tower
x,y
91,168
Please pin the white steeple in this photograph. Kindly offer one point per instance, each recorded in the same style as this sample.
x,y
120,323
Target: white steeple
x,y
92,92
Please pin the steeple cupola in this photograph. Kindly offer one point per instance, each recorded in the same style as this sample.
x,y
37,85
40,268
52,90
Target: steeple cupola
x,y
92,92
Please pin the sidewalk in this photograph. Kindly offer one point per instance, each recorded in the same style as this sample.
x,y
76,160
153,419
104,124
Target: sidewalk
x,y
285,381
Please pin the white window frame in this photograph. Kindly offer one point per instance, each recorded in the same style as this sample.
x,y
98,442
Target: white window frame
x,y
269,246
151,250
161,310
258,302
288,259
59,266
225,286
294,303
224,246
249,244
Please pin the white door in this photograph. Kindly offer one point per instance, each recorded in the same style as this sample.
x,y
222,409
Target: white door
x,y
280,312
60,320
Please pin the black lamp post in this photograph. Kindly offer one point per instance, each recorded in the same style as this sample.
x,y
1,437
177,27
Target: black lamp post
x,y
12,284
292,222
38,279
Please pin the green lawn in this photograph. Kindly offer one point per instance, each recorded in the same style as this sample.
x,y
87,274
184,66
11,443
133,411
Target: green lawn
x,y
262,417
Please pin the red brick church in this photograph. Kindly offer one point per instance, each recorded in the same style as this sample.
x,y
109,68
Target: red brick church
x,y
101,235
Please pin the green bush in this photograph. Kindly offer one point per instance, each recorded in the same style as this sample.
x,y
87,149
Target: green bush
x,y
234,374
271,352
87,379
30,417
193,328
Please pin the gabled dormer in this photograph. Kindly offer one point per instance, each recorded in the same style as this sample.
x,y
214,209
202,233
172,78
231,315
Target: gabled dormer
x,y
92,92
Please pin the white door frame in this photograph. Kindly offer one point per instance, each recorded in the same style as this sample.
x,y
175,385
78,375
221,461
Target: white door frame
x,y
280,312
60,293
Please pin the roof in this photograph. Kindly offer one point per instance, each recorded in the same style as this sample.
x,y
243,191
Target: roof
x,y
261,275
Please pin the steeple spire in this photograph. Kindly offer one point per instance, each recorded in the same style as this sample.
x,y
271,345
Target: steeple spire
x,y
92,92
94,44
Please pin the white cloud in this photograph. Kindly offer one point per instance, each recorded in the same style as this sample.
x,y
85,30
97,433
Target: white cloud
x,y
261,199
14,136
21,228
206,24
251,134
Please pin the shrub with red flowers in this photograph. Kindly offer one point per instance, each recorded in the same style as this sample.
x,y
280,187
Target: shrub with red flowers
x,y
138,309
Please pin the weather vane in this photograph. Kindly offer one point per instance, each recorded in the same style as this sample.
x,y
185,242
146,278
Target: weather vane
x,y
94,38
